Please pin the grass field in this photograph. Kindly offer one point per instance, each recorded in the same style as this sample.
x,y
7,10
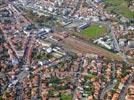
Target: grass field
x,y
93,31
119,7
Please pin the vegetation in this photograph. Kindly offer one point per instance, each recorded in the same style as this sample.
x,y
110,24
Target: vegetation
x,y
65,97
119,7
93,31
54,80
53,93
125,70
61,87
40,55
42,20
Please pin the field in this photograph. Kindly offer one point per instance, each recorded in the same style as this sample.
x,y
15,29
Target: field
x,y
119,7
93,31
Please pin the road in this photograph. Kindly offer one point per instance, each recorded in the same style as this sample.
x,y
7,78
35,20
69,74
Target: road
x,y
110,85
76,78
91,48
10,43
108,24
3,86
85,47
125,87
27,48
19,91
116,44
77,6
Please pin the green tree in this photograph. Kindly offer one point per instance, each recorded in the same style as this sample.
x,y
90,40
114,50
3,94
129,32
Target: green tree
x,y
65,97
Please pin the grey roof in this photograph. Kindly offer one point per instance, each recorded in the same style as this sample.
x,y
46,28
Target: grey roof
x,y
131,44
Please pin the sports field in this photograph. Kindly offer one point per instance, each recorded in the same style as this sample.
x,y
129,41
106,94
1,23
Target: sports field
x,y
93,31
119,7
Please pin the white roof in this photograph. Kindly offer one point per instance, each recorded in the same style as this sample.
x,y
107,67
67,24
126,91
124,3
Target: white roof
x,y
49,50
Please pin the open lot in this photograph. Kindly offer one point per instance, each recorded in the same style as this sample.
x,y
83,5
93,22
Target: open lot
x,y
93,31
119,7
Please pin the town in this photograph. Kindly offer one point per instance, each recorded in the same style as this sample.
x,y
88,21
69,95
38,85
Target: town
x,y
67,50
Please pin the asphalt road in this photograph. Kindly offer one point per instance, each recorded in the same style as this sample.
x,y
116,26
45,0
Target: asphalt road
x,y
110,85
125,87
84,47
76,78
8,41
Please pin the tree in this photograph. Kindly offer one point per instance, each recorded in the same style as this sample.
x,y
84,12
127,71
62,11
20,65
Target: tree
x,y
65,97
129,1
